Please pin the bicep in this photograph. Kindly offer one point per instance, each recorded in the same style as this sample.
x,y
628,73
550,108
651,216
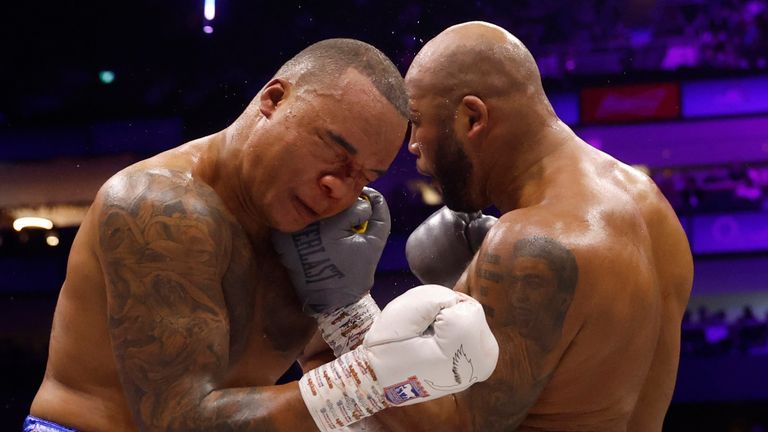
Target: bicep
x,y
168,323
526,286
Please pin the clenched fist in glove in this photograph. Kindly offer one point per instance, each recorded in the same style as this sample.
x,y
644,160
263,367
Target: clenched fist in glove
x,y
332,262
441,248
427,343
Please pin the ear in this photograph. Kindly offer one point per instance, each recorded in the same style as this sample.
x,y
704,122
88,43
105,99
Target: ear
x,y
474,114
275,92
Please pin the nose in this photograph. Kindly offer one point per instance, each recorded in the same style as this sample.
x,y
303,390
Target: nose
x,y
415,148
521,294
339,188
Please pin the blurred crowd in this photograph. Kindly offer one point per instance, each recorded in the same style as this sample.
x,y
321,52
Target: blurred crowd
x,y
610,36
711,333
735,187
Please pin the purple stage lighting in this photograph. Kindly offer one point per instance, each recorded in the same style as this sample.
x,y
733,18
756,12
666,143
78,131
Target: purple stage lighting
x,y
209,9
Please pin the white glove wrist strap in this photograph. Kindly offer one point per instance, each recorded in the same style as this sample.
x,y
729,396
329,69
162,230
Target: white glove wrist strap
x,y
343,391
344,329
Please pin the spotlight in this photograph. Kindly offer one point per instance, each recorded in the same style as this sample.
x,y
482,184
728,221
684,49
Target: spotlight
x,y
106,76
52,239
429,195
32,222
207,29
209,9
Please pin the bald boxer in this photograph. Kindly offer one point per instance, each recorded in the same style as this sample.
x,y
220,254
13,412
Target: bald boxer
x,y
176,314
584,278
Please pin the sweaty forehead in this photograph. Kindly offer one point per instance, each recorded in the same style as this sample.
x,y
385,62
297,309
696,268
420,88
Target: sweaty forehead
x,y
353,80
417,81
421,89
433,80
364,117
356,92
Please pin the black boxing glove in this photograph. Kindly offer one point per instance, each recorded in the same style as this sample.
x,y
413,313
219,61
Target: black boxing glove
x,y
441,248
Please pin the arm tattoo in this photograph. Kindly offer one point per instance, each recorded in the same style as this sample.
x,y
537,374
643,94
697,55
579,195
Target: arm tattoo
x,y
540,288
165,241
487,272
526,295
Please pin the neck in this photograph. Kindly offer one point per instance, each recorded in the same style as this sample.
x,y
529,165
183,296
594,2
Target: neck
x,y
517,180
224,176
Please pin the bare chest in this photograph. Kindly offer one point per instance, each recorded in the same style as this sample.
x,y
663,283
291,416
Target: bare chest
x,y
268,330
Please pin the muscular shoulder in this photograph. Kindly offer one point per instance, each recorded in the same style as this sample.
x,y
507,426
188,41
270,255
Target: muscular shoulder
x,y
547,263
594,245
527,277
609,216
547,228
528,259
166,211
157,186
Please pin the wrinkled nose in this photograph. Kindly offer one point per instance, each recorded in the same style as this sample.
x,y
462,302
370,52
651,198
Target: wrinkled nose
x,y
339,191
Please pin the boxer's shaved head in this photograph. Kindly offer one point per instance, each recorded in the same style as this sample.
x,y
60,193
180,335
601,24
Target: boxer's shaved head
x,y
475,58
473,74
325,61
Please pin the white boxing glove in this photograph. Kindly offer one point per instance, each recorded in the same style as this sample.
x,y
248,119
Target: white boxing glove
x,y
427,343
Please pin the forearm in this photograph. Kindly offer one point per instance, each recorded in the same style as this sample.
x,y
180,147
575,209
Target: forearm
x,y
273,408
442,414
317,359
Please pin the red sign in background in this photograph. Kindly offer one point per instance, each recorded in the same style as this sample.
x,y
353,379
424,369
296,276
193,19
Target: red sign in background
x,y
630,103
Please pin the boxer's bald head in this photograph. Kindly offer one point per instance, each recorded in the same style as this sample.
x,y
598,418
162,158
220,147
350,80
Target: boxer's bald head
x,y
475,58
474,92
321,64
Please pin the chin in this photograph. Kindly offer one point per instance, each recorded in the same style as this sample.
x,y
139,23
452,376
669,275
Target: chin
x,y
281,216
286,223
286,226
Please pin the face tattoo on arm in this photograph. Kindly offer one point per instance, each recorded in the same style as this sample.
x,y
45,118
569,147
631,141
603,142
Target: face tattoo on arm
x,y
526,294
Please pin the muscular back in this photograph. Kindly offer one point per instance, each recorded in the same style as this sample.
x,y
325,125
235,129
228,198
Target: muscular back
x,y
585,290
166,299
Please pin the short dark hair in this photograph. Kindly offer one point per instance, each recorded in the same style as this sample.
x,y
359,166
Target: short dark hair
x,y
329,59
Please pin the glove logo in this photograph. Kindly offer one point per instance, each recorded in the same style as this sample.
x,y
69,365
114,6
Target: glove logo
x,y
405,391
462,367
316,265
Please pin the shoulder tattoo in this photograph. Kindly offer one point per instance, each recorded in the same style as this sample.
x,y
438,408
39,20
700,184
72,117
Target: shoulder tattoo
x,y
530,289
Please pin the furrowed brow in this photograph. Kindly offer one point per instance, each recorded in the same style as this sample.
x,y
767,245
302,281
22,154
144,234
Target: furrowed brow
x,y
340,140
352,150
